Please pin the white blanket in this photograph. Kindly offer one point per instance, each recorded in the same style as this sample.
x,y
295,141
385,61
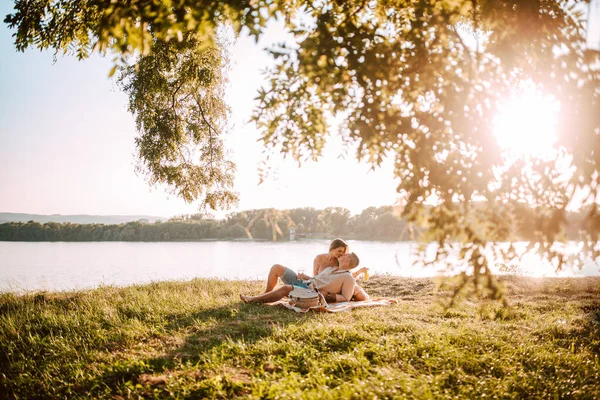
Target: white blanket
x,y
337,307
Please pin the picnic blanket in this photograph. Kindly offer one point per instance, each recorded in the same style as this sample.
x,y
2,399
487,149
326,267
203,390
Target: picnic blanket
x,y
337,307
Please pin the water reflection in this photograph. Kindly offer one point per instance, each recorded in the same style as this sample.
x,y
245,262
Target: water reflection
x,y
70,266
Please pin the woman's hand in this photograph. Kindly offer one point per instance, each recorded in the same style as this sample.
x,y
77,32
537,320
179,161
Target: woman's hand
x,y
303,276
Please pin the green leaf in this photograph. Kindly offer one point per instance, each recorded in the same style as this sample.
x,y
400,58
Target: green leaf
x,y
113,70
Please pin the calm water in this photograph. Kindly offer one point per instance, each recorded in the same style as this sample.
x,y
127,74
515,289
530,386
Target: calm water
x,y
54,266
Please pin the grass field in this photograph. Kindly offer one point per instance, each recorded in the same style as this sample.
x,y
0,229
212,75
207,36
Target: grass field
x,y
197,340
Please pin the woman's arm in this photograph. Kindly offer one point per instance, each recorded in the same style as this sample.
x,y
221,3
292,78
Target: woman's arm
x,y
316,266
320,263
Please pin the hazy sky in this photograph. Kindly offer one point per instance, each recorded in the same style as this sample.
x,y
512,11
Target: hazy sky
x,y
67,143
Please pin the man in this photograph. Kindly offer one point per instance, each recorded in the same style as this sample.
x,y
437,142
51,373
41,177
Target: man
x,y
335,283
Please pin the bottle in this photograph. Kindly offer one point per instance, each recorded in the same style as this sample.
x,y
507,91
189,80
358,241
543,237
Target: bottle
x,y
366,275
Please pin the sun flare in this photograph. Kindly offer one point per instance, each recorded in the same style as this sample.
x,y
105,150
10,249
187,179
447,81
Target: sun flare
x,y
527,125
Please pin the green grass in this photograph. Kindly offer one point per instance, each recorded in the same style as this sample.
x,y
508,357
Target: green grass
x,y
197,340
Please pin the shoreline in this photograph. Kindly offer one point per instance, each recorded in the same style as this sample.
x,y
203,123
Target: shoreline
x,y
380,279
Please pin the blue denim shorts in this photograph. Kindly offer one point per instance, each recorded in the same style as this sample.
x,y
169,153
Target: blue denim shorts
x,y
290,277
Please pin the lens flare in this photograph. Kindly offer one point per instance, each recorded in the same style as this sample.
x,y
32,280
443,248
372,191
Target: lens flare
x,y
527,125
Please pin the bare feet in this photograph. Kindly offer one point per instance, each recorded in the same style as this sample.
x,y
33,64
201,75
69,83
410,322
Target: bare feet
x,y
245,299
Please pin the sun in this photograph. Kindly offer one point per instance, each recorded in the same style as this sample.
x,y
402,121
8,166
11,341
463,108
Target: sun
x,y
527,125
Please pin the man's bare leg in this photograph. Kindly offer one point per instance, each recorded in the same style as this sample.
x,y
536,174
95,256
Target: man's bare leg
x,y
274,274
269,297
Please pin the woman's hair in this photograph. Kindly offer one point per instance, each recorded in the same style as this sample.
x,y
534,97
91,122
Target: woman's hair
x,y
335,243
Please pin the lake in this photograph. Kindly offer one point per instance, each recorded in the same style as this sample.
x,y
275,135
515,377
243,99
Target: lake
x,y
60,266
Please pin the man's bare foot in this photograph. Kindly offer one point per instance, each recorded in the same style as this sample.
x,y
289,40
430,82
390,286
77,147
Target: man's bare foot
x,y
245,299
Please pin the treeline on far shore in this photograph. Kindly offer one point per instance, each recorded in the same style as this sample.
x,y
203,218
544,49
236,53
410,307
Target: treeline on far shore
x,y
374,223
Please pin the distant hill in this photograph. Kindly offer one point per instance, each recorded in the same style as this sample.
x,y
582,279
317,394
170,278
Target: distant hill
x,y
77,219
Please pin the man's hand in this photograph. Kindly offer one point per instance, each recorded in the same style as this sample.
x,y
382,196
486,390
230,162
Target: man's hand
x,y
360,271
329,297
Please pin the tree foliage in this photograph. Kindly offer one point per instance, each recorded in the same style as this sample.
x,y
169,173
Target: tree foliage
x,y
411,87
373,223
176,87
261,224
418,81
131,27
176,93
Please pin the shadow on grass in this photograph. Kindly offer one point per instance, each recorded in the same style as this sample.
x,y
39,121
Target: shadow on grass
x,y
402,288
585,335
204,330
247,323
591,328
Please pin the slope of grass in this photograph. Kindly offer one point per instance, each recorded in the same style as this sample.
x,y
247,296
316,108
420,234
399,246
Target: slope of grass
x,y
197,340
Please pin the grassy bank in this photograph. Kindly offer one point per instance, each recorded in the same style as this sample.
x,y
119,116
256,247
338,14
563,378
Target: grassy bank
x,y
195,339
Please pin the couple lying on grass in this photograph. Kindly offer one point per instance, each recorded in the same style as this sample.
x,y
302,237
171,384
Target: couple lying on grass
x,y
333,277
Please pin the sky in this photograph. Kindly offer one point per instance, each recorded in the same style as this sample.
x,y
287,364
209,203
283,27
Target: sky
x,y
67,142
